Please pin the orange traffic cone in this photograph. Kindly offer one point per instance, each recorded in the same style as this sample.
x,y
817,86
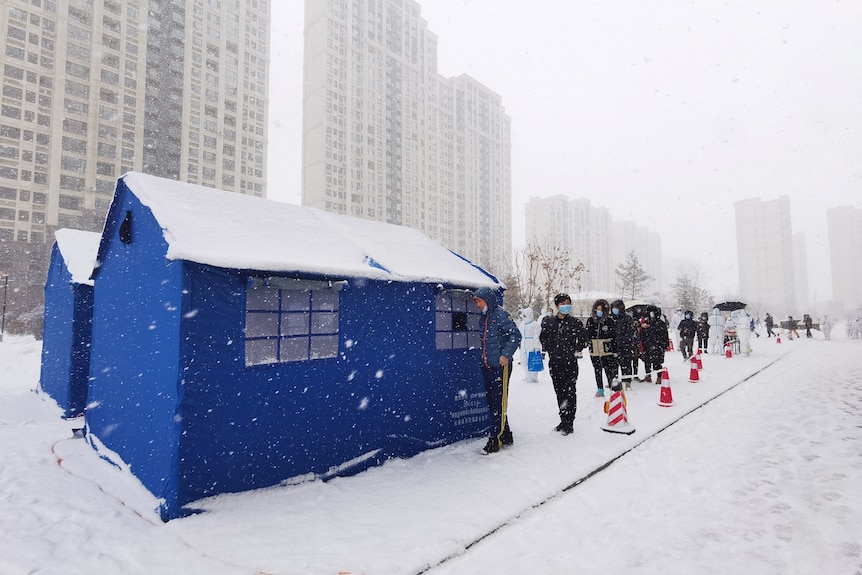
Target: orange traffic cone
x,y
666,397
777,337
665,374
698,359
728,353
618,420
694,376
669,345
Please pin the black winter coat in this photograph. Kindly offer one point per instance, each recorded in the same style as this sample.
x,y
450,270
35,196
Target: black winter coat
x,y
602,328
654,335
627,335
687,329
562,339
703,328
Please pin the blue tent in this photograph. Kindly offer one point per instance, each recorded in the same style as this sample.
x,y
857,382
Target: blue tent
x,y
239,342
68,320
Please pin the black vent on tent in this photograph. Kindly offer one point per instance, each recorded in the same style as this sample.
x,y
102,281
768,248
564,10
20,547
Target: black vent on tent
x,y
126,229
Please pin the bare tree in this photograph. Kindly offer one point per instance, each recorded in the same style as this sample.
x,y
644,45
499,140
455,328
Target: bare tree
x,y
688,294
631,277
559,270
525,269
538,272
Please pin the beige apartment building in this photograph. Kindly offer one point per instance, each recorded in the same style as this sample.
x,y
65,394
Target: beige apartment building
x,y
592,237
765,251
92,89
845,249
387,138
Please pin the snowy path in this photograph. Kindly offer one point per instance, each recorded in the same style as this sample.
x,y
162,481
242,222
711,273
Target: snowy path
x,y
763,480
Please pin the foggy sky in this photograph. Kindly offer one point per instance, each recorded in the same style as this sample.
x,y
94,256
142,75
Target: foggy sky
x,y
665,112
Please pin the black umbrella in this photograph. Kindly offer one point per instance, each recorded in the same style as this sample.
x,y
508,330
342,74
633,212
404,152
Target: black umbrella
x,y
729,305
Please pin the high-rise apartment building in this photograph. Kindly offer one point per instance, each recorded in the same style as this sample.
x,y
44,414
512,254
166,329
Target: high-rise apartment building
x,y
845,249
764,246
385,137
587,232
800,269
94,88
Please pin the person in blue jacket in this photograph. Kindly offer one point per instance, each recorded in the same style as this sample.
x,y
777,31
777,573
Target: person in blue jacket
x,y
500,341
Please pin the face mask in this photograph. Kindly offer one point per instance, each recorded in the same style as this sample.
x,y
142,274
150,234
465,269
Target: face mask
x,y
688,316
615,311
566,309
599,313
652,314
484,310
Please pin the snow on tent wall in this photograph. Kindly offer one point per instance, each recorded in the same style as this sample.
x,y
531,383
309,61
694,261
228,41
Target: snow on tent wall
x,y
134,367
66,336
172,395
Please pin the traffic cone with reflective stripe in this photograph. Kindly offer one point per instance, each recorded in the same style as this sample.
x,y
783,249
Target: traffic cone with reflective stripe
x,y
698,359
618,420
728,353
694,376
777,337
666,397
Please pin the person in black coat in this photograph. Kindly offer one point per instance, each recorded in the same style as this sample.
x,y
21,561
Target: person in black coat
x,y
655,337
769,323
562,338
687,330
626,341
602,340
703,332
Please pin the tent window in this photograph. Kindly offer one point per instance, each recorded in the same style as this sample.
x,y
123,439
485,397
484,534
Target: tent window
x,y
284,325
458,320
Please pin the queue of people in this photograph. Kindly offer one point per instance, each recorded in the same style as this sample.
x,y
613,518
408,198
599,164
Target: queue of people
x,y
616,339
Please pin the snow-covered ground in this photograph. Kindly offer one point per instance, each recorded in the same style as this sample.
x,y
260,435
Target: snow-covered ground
x,y
765,478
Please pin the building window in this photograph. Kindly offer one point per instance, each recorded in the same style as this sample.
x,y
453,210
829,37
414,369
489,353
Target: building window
x,y
290,320
458,320
9,173
70,203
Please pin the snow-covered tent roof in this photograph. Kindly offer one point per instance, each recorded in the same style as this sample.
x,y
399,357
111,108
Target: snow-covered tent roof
x,y
232,230
79,250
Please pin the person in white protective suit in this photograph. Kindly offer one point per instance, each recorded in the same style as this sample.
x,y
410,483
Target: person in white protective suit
x,y
716,332
743,330
674,327
826,327
530,330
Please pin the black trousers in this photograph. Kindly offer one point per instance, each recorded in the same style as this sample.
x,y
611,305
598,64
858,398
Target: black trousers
x,y
685,346
497,394
628,366
606,363
654,360
565,378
